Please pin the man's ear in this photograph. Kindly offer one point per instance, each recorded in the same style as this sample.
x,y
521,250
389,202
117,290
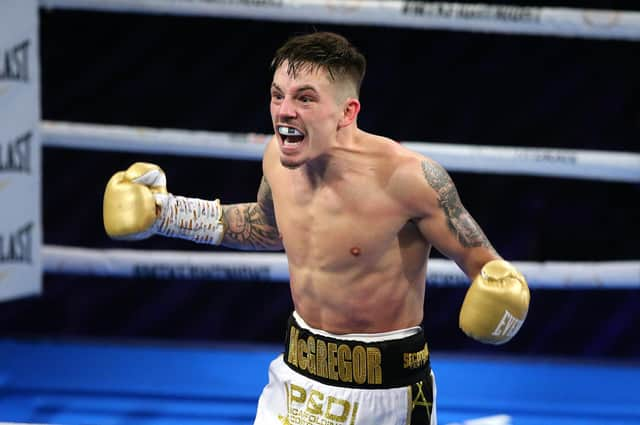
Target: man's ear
x,y
350,112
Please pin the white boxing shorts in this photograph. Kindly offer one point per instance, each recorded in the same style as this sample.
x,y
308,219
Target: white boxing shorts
x,y
355,379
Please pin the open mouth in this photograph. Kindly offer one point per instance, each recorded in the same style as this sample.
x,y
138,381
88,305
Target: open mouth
x,y
290,135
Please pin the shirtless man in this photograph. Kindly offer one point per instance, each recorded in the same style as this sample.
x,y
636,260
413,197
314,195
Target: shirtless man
x,y
357,215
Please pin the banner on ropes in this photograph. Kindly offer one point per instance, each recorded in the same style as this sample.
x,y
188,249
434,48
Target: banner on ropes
x,y
477,17
20,223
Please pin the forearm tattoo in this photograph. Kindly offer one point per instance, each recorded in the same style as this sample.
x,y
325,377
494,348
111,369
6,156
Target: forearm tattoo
x,y
252,226
460,223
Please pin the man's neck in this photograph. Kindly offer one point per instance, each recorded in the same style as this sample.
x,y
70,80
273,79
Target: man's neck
x,y
333,164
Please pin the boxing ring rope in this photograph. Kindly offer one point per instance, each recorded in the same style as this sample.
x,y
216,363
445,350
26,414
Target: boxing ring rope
x,y
544,21
567,163
612,166
272,267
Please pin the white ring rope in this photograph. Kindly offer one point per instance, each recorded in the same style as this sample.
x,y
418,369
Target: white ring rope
x,y
549,21
272,267
568,163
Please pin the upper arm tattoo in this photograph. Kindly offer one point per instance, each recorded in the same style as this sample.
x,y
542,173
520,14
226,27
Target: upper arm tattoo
x,y
459,221
265,201
252,225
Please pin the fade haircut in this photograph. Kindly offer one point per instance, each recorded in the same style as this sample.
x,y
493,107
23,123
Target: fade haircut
x,y
322,50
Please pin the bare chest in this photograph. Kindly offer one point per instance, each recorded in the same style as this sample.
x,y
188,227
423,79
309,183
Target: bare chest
x,y
336,226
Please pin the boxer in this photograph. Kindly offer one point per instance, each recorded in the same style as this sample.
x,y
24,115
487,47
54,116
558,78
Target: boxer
x,y
357,215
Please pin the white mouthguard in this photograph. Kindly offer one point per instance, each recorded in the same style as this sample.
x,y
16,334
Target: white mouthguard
x,y
289,131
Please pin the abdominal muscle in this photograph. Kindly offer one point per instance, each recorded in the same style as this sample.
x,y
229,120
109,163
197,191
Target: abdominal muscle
x,y
371,292
367,306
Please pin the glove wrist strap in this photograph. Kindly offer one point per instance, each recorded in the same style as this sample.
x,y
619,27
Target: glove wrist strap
x,y
193,219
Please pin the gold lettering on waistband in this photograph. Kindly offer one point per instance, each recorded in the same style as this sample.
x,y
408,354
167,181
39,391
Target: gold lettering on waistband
x,y
344,363
292,358
321,358
311,354
359,364
332,357
374,365
340,362
416,360
302,351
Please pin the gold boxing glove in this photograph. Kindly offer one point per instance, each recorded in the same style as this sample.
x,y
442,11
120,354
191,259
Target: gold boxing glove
x,y
496,304
137,205
129,206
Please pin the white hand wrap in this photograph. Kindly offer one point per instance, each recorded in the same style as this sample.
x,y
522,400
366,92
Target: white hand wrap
x,y
189,218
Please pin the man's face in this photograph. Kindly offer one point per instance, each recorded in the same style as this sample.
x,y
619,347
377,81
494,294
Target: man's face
x,y
305,112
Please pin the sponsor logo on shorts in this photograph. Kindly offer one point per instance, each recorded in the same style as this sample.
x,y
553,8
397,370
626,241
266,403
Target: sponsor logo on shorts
x,y
420,401
337,362
317,408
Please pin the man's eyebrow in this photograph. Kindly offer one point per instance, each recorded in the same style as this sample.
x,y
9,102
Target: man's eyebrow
x,y
306,87
298,90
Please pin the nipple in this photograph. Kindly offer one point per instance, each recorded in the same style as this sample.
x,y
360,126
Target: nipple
x,y
355,251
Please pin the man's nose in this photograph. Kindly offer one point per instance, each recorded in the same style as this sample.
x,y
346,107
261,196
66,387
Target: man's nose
x,y
287,108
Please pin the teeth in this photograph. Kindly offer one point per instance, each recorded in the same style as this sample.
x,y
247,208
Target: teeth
x,y
289,131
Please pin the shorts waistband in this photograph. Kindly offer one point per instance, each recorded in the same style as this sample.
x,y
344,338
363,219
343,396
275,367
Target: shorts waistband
x,y
356,364
365,337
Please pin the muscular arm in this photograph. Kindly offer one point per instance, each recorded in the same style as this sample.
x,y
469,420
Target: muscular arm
x,y
447,224
459,222
252,226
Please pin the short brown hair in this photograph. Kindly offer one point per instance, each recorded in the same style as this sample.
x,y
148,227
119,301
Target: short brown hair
x,y
325,50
